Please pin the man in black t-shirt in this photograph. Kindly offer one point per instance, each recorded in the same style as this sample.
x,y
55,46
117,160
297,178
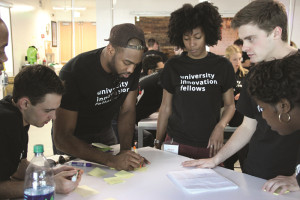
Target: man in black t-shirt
x,y
99,84
150,89
36,96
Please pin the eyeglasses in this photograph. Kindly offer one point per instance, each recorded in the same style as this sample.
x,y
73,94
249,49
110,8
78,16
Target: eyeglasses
x,y
115,88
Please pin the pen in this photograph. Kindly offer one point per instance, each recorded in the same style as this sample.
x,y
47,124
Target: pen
x,y
135,151
81,164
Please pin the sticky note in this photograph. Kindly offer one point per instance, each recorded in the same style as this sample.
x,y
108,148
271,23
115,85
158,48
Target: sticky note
x,y
85,191
141,169
102,147
278,191
97,172
113,180
124,174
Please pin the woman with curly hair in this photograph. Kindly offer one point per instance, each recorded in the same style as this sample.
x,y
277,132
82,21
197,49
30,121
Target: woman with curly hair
x,y
275,86
195,84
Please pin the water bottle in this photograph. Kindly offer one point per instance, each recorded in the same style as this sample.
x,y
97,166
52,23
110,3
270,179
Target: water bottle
x,y
39,181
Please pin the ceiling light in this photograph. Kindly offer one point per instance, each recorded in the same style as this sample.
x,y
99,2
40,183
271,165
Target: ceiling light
x,y
69,8
22,8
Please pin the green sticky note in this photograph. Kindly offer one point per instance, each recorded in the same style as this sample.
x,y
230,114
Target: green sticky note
x,y
141,169
113,180
124,174
97,172
101,146
85,191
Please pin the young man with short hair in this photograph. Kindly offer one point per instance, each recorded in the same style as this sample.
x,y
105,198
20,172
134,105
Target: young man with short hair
x,y
262,25
36,96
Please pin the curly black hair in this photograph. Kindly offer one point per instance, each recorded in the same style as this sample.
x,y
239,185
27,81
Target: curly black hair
x,y
187,18
274,80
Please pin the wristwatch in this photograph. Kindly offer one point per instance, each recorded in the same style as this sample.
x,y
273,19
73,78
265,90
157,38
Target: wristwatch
x,y
156,141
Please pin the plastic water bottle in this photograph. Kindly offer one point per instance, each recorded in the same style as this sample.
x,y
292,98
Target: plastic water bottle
x,y
39,181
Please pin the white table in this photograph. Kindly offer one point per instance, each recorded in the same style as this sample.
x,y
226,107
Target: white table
x,y
154,184
151,124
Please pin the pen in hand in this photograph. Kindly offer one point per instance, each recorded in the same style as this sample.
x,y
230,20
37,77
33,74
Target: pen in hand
x,y
135,151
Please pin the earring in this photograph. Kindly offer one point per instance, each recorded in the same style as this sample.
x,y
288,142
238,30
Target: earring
x,y
281,119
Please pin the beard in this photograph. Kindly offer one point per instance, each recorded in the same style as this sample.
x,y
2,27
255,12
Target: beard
x,y
112,65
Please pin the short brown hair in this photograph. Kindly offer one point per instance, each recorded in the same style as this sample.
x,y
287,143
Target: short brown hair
x,y
266,14
35,82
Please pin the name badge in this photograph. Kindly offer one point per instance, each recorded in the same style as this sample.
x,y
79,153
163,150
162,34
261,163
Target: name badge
x,y
172,148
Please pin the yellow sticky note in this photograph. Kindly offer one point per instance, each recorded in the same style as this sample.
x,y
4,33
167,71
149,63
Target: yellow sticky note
x,y
278,191
141,169
97,172
124,174
85,191
113,180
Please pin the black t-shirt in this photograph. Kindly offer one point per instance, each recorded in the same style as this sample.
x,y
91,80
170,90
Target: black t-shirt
x,y
157,53
239,83
14,138
95,94
237,118
151,95
270,154
197,86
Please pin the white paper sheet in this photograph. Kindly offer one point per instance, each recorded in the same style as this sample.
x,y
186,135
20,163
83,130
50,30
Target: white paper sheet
x,y
196,181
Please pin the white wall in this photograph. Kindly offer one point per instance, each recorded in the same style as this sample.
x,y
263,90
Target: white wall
x,y
27,27
296,25
125,11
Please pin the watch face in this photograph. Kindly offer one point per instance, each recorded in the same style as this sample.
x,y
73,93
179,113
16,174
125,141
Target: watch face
x,y
298,169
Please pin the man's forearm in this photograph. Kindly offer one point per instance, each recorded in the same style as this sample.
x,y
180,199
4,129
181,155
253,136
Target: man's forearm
x,y
126,125
80,149
239,139
11,189
20,173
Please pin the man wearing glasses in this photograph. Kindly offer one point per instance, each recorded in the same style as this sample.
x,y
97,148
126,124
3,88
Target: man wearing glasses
x,y
99,84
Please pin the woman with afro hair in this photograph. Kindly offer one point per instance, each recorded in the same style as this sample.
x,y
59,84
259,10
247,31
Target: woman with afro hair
x,y
195,84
